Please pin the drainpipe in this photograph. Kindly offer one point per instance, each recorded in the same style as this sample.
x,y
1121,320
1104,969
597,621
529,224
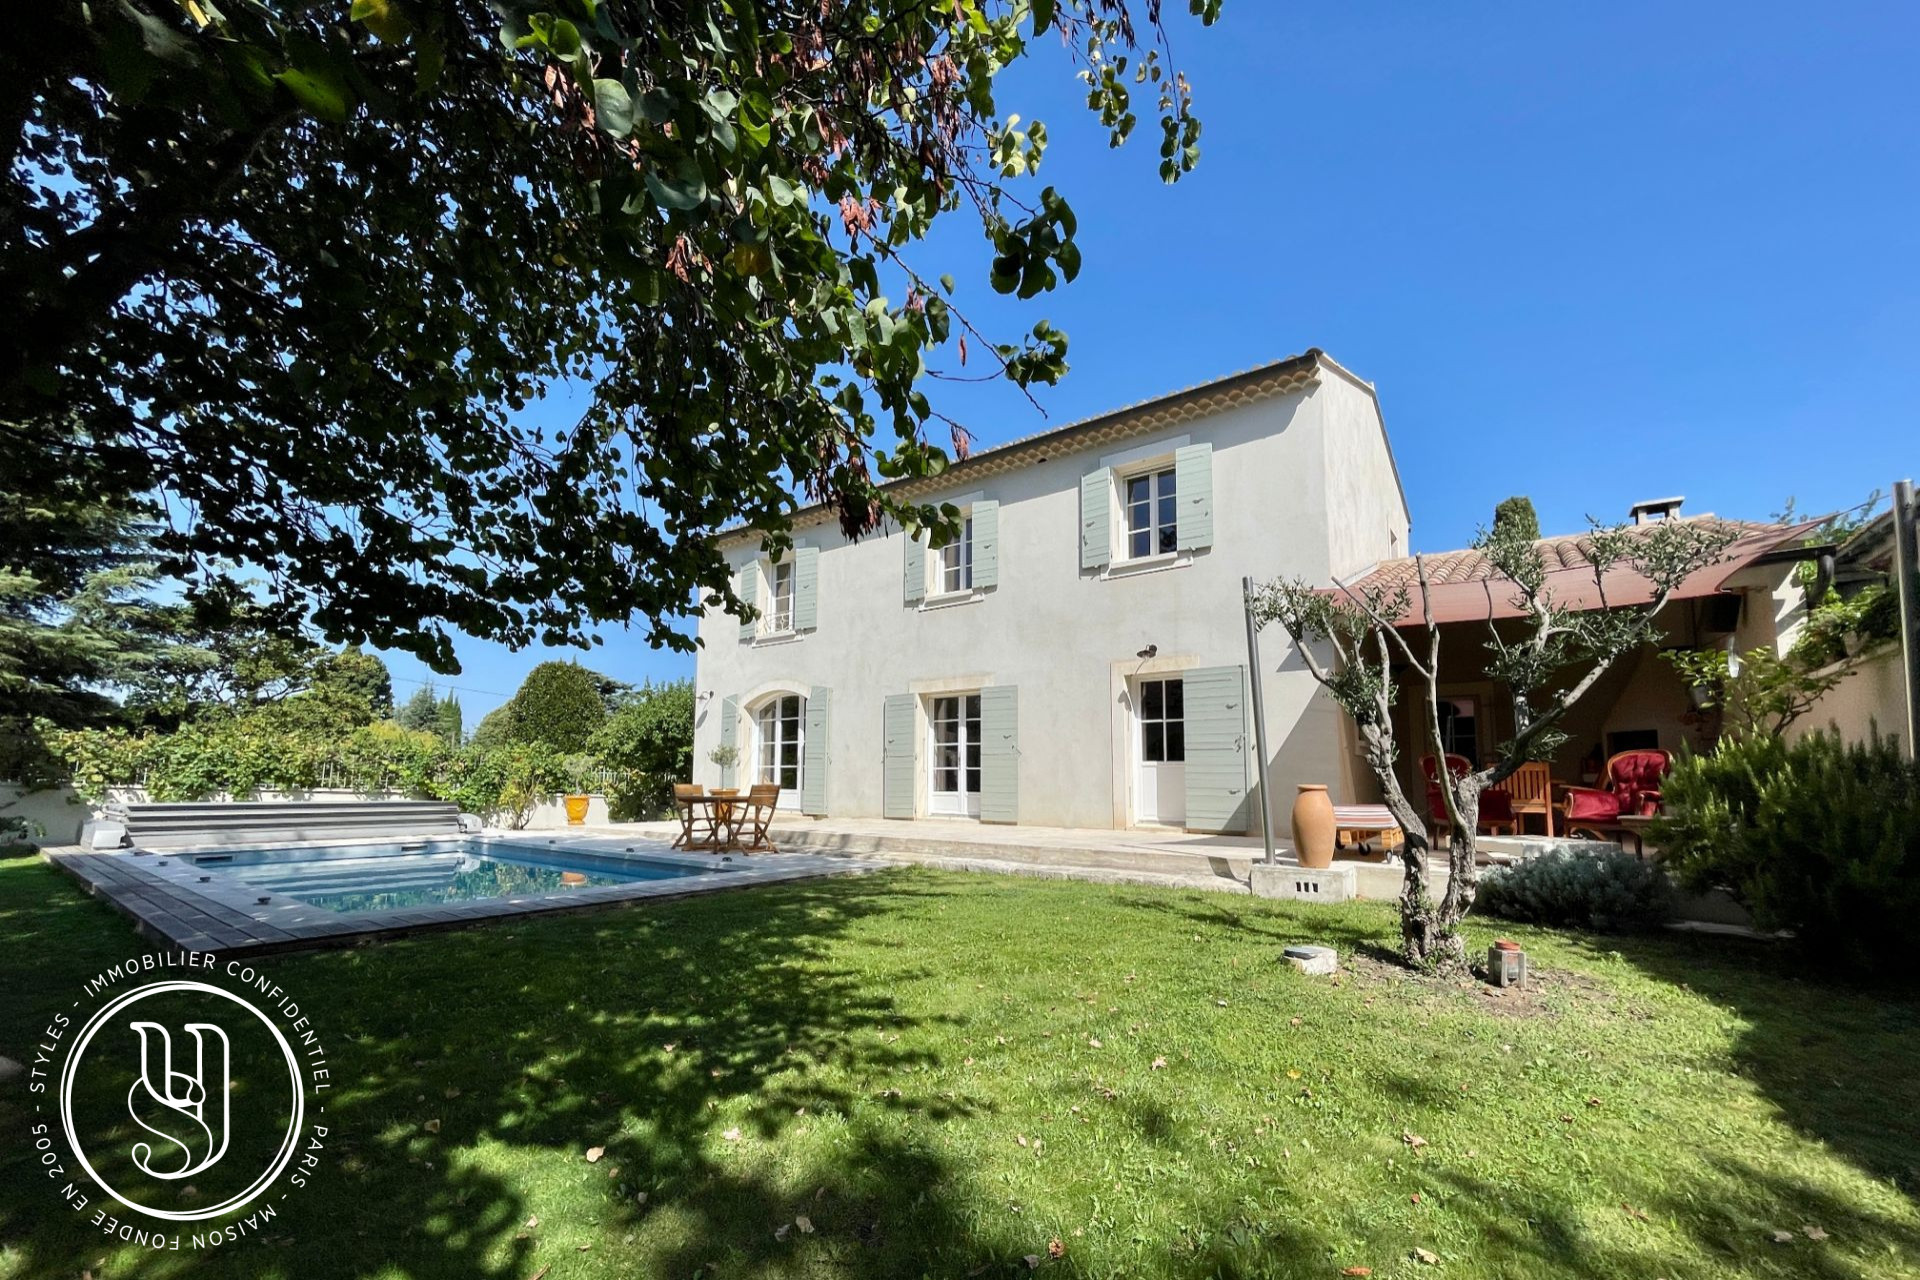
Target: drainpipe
x,y
1259,715
1906,572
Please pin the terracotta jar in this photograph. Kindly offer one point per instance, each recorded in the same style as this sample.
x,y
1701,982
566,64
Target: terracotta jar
x,y
1313,826
577,810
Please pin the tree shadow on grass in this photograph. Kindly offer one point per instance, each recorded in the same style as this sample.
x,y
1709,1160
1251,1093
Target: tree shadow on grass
x,y
1838,1061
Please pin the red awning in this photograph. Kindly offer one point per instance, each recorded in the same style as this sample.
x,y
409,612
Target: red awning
x,y
1463,587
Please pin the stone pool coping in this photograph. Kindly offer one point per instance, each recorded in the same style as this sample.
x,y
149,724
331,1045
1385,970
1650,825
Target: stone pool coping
x,y
160,891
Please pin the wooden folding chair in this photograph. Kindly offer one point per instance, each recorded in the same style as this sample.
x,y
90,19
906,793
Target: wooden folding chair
x,y
762,800
1531,787
691,816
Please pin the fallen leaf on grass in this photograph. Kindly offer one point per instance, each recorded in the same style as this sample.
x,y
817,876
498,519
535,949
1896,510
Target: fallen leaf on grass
x,y
594,1154
805,1224
1413,1140
431,1126
1020,1138
1094,1041
782,1231
1593,1102
1033,1262
541,1272
1426,1256
582,1248
1056,1248
1356,1271
533,1221
1813,1233
454,1092
1783,1237
1639,1215
1158,1064
731,1135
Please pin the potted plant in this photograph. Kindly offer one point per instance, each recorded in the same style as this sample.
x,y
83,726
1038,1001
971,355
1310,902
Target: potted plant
x,y
726,757
582,773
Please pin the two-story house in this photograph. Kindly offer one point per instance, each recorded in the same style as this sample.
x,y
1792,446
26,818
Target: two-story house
x,y
1078,658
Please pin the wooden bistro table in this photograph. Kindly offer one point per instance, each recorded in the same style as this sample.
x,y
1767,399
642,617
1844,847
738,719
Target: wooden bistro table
x,y
725,815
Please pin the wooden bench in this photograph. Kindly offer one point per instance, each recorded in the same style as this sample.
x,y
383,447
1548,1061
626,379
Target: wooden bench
x,y
1362,821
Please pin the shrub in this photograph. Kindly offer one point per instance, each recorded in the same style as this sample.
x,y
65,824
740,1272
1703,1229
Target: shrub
x,y
1604,889
647,743
559,704
1816,836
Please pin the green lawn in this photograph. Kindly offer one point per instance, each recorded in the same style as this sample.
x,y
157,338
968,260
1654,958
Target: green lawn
x,y
945,1073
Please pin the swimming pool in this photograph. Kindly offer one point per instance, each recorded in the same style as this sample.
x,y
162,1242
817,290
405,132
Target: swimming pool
x,y
253,899
425,873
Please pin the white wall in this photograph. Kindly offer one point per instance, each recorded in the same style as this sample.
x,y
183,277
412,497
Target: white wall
x,y
1872,697
1067,638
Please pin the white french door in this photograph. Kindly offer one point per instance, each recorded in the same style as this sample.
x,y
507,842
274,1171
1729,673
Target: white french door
x,y
780,726
1160,780
954,781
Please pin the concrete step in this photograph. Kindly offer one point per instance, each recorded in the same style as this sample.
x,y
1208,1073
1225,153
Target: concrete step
x,y
1010,848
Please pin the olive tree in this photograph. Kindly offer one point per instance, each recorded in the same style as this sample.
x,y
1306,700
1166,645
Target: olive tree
x,y
1360,644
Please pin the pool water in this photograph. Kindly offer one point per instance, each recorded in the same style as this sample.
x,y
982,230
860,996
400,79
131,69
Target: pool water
x,y
427,873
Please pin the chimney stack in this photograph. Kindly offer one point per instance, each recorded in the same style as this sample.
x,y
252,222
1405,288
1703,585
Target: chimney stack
x,y
1655,509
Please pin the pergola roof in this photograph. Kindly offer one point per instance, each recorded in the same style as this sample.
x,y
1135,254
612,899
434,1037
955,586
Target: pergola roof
x,y
1463,586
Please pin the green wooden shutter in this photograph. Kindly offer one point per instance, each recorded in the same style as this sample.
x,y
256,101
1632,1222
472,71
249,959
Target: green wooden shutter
x,y
1096,518
729,726
749,591
806,588
913,575
999,754
1193,477
986,544
1216,711
813,765
898,757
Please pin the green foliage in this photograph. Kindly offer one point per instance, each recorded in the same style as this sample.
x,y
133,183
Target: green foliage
x,y
495,727
419,712
219,651
301,269
317,739
1816,836
1516,517
1837,628
1763,695
559,704
647,743
361,674
1600,890
71,616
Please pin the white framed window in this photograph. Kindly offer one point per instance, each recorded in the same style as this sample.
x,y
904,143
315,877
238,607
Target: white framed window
x,y
781,728
1150,512
1163,721
779,616
954,722
953,567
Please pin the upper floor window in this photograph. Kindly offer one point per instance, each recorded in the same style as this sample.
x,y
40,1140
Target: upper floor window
x,y
780,607
954,569
1152,514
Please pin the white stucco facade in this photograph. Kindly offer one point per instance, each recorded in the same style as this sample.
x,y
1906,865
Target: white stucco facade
x,y
1284,470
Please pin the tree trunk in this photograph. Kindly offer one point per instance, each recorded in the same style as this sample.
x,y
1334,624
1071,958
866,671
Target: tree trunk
x,y
1430,930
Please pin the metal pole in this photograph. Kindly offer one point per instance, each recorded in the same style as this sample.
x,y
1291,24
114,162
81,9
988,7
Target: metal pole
x,y
1259,715
1906,571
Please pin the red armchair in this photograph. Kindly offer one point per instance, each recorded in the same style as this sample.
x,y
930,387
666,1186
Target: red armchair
x,y
1630,786
1496,804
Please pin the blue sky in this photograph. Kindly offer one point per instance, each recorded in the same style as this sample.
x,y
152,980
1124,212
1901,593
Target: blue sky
x,y
1587,253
